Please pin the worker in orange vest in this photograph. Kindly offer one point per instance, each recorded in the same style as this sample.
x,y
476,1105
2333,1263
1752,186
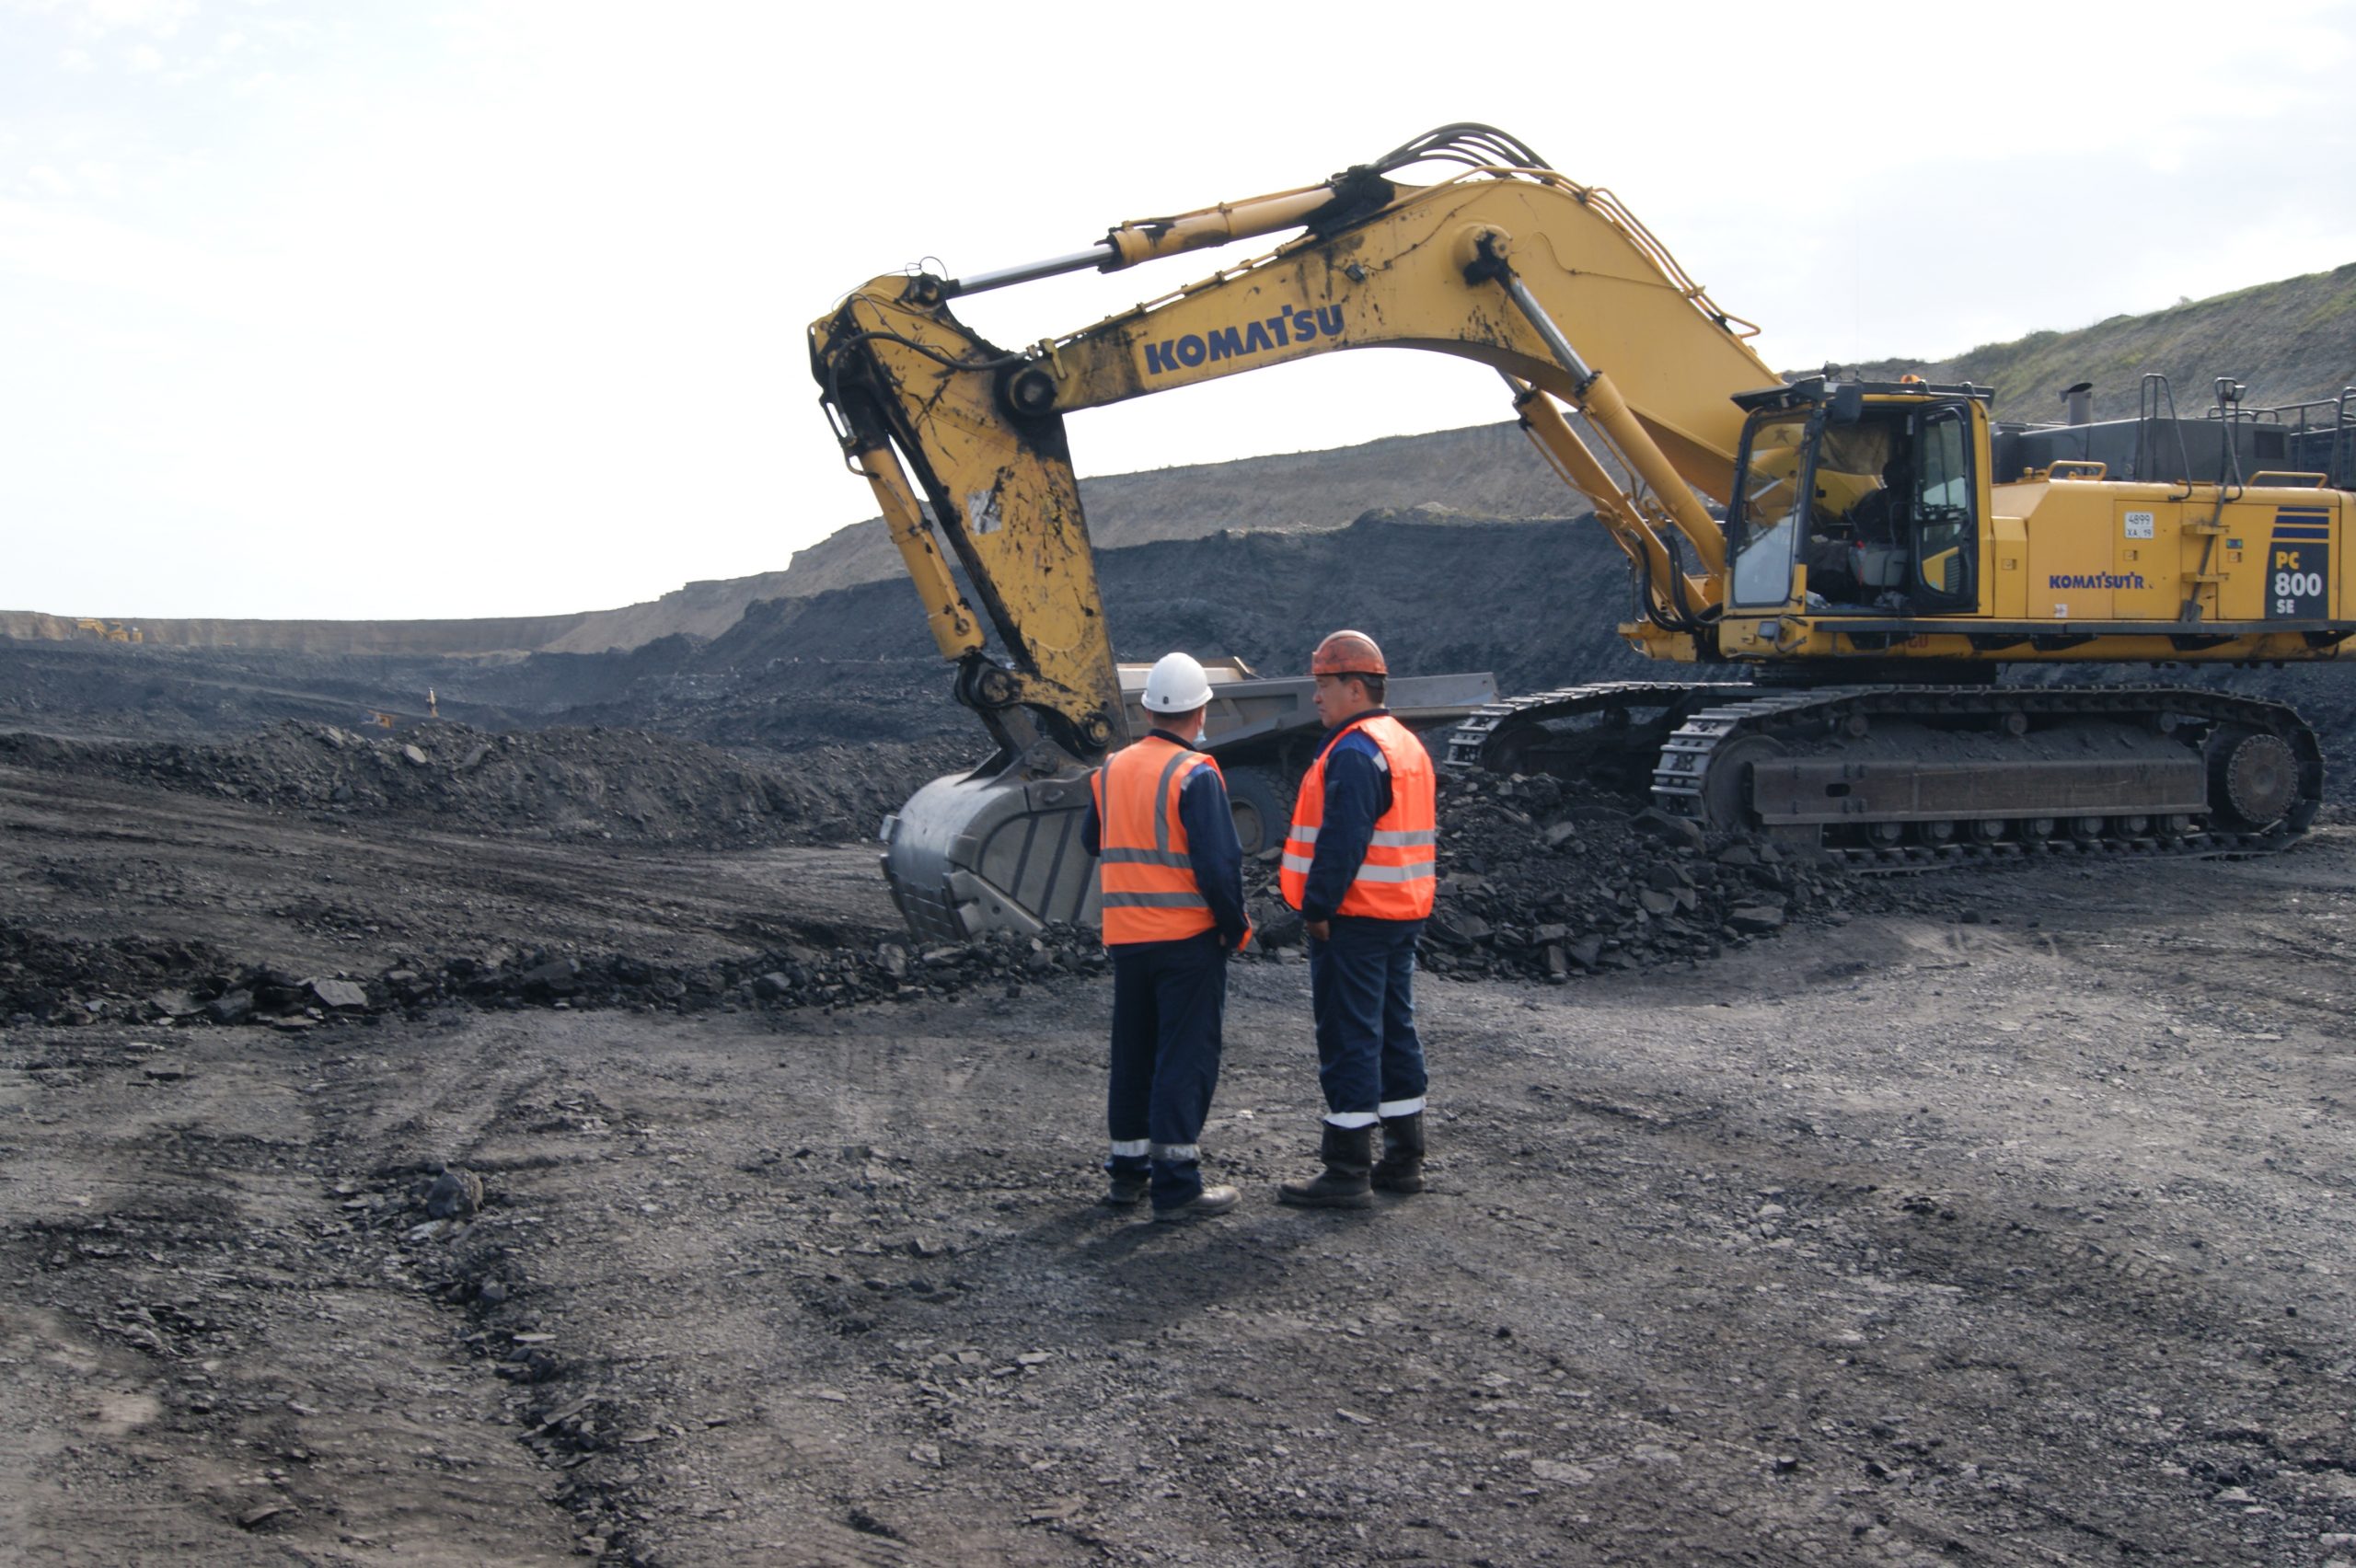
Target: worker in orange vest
x,y
1172,876
1358,864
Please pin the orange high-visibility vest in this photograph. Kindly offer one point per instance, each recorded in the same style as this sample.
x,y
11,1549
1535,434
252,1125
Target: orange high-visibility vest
x,y
1147,877
1398,877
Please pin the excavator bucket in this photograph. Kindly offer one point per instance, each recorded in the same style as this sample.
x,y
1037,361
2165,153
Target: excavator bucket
x,y
994,850
998,849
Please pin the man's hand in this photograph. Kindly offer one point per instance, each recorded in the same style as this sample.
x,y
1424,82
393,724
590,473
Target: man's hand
x,y
1321,929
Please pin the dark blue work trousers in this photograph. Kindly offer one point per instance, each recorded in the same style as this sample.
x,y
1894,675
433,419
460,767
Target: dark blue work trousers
x,y
1169,1001
1362,989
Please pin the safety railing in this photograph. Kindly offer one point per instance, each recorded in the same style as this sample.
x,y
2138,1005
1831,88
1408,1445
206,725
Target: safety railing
x,y
2151,396
2321,432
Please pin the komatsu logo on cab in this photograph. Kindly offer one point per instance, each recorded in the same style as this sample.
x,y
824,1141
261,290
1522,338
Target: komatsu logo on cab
x,y
1294,324
2096,580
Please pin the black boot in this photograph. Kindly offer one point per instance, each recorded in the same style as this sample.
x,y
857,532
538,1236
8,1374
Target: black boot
x,y
1211,1200
1401,1169
1348,1153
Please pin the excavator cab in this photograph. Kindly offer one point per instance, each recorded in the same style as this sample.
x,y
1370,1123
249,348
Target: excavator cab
x,y
1869,490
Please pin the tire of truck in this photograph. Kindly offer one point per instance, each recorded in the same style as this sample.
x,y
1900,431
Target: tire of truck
x,y
1261,801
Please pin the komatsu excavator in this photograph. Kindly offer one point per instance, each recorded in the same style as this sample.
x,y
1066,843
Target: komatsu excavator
x,y
1846,566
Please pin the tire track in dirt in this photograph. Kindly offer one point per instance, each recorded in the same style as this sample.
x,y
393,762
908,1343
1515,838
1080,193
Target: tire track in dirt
x,y
204,1357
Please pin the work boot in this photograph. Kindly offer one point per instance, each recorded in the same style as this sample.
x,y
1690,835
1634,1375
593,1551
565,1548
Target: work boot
x,y
1348,1153
1401,1169
1209,1201
1127,1189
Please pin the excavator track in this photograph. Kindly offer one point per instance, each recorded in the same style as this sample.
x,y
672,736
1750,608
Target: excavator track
x,y
1905,779
1495,736
1469,743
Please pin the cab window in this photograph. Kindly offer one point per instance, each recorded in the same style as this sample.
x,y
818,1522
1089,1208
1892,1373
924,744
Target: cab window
x,y
1763,522
1946,535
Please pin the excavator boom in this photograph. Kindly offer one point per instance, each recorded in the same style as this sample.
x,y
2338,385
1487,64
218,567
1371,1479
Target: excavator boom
x,y
1551,283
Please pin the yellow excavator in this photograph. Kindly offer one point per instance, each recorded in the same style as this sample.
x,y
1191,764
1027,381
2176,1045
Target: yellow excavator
x,y
1846,565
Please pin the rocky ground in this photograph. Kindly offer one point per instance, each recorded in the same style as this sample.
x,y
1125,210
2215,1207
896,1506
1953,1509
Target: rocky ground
x,y
529,1135
599,783
538,1195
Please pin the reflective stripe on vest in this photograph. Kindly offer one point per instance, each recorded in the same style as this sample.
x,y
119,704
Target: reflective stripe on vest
x,y
1142,864
1398,877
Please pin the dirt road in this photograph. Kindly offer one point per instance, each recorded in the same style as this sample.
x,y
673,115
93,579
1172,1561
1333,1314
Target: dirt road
x,y
2012,1231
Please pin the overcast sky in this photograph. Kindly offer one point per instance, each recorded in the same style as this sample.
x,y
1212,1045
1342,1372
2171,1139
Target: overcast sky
x,y
330,308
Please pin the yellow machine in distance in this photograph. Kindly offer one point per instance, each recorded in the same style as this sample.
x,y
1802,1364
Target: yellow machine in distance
x,y
1843,566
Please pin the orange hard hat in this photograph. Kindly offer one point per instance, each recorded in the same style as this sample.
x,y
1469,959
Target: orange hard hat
x,y
1347,653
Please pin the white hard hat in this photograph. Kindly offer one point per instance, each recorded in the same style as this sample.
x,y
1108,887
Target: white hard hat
x,y
1176,685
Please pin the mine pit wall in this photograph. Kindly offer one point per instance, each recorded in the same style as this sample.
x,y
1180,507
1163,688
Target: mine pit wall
x,y
698,609
516,635
1483,470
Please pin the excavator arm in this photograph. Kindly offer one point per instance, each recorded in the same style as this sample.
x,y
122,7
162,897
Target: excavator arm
x,y
1551,283
1507,263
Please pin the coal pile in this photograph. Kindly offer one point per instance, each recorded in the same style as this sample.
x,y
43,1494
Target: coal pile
x,y
56,981
741,693
1544,879
51,981
1541,879
561,784
799,975
1534,602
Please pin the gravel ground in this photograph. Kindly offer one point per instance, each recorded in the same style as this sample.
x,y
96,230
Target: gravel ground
x,y
2005,1224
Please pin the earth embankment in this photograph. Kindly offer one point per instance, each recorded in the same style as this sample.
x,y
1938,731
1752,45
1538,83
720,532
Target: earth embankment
x,y
1534,600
